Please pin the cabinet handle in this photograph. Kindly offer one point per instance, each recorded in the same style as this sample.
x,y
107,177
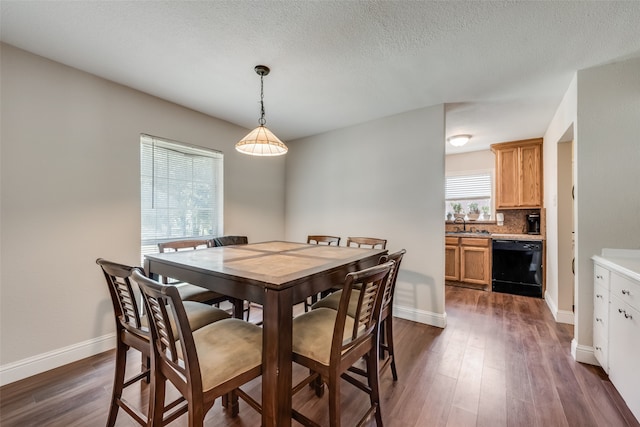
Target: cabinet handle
x,y
621,311
598,296
598,348
598,319
627,316
626,292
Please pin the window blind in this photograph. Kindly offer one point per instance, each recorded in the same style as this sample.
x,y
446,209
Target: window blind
x,y
467,187
180,191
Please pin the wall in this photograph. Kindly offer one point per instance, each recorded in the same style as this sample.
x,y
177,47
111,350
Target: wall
x,y
607,158
383,179
70,194
469,162
560,130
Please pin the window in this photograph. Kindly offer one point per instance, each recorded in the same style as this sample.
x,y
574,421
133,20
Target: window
x,y
468,191
180,192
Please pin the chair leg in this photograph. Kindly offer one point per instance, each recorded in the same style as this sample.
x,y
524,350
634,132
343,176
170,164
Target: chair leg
x,y
334,400
373,379
118,382
156,400
389,341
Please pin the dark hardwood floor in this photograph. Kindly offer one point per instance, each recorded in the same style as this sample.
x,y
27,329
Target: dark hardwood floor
x,y
501,361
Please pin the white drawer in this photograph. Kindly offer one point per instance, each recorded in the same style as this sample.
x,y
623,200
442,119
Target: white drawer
x,y
600,309
601,276
601,350
626,289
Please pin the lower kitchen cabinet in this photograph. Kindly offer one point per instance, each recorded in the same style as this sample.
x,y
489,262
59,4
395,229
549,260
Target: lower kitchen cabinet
x,y
468,259
616,325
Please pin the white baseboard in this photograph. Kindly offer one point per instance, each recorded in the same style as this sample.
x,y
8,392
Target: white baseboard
x,y
438,320
560,316
30,366
583,353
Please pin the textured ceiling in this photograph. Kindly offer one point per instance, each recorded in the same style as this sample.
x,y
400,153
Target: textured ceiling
x,y
501,67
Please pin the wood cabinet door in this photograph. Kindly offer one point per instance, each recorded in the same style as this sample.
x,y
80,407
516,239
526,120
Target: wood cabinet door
x,y
452,262
530,176
474,265
507,178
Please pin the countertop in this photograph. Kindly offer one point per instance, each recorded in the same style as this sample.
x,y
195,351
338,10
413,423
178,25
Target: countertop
x,y
624,261
497,236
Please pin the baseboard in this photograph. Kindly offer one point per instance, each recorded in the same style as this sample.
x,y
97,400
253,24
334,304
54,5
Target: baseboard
x,y
438,320
30,366
560,316
583,353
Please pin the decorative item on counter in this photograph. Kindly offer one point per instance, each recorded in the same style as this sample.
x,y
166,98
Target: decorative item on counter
x,y
486,213
457,210
474,212
449,216
500,218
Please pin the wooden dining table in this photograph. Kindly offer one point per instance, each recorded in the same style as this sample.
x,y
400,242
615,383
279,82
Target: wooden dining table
x,y
277,275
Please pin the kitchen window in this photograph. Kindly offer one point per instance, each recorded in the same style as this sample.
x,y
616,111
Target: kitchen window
x,y
180,192
469,190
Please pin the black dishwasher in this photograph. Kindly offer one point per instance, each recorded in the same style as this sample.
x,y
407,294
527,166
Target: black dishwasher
x,y
517,267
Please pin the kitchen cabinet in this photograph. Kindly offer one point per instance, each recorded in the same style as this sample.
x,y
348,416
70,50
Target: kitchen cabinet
x,y
452,259
468,259
616,324
518,174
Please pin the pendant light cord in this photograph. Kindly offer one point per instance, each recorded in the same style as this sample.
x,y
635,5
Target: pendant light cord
x,y
262,121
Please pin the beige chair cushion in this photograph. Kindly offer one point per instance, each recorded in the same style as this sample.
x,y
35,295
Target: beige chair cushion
x,y
313,332
189,292
333,302
199,315
227,349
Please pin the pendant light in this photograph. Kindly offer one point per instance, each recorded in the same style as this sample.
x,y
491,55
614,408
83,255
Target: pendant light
x,y
261,141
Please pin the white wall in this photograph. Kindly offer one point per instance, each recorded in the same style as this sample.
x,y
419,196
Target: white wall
x,y
560,130
383,179
608,174
70,194
472,161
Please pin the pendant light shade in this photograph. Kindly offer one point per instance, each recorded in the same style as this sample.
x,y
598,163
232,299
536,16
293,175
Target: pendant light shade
x,y
261,141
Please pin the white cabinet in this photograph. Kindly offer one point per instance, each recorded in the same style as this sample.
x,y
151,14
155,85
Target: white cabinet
x,y
616,324
601,316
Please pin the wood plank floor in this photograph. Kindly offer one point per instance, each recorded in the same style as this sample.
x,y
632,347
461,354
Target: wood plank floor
x,y
501,361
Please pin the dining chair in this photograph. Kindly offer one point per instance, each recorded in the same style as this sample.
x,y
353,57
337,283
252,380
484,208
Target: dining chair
x,y
211,362
386,316
321,239
367,242
328,342
317,239
229,240
187,291
132,332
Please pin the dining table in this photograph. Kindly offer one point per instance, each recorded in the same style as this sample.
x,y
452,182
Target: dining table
x,y
277,275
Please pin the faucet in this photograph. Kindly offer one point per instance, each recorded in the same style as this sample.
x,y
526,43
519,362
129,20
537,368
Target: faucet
x,y
464,223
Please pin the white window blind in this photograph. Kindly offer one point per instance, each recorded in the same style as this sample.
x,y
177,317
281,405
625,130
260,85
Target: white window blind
x,y
181,192
467,187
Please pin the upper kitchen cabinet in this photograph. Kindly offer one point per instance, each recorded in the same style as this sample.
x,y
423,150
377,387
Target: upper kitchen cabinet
x,y
518,174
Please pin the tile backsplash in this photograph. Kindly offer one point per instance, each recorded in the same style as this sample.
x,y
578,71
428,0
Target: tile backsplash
x,y
515,222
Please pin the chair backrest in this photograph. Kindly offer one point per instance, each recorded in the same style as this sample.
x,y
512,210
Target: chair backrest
x,y
319,240
371,283
387,300
164,307
123,298
229,240
366,242
176,245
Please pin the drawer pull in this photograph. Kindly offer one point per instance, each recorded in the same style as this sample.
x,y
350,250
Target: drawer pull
x,y
627,316
598,348
598,276
598,296
598,319
626,292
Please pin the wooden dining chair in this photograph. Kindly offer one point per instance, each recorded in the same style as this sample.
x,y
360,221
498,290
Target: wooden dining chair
x,y
367,242
317,239
187,291
132,332
329,342
386,316
212,362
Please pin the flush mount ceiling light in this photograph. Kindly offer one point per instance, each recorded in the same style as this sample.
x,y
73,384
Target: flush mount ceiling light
x,y
459,140
261,141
